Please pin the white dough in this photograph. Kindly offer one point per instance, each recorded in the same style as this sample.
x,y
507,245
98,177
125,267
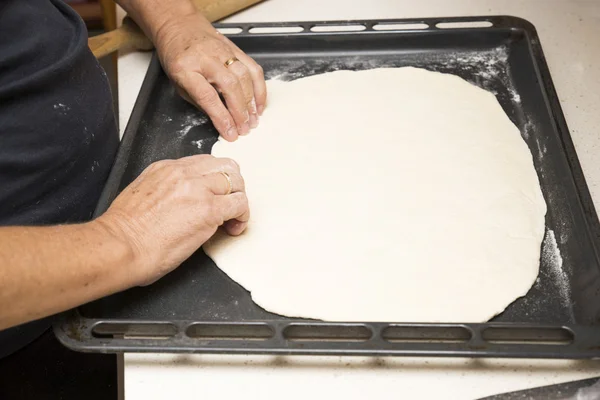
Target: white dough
x,y
385,195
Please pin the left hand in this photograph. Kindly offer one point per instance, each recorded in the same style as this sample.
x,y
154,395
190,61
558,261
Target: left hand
x,y
193,53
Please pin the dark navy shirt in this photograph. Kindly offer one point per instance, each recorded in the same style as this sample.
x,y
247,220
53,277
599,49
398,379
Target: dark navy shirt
x,y
58,134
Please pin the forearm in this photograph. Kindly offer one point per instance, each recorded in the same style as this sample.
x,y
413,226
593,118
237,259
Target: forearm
x,y
46,270
154,15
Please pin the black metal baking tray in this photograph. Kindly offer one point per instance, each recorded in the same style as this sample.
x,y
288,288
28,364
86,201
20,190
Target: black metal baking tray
x,y
198,309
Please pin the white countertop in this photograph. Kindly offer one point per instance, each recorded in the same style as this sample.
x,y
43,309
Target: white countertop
x,y
570,35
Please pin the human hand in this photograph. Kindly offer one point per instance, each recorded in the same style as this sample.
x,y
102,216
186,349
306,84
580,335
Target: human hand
x,y
194,55
173,207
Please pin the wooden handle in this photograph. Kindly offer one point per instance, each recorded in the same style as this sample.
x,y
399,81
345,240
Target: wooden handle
x,y
130,36
215,10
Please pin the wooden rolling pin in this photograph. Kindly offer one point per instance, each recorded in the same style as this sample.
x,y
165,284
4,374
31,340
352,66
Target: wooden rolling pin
x,y
131,36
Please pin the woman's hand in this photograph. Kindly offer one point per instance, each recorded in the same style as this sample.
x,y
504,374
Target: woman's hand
x,y
194,55
173,207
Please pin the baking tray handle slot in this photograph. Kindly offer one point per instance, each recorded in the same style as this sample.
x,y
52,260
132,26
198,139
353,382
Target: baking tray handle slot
x,y
528,335
400,27
224,331
426,334
327,333
464,24
276,29
338,28
132,330
230,30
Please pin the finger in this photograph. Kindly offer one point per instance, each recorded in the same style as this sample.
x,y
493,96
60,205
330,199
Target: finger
x,y
235,211
259,85
229,86
185,96
235,227
256,73
243,74
222,184
207,98
204,164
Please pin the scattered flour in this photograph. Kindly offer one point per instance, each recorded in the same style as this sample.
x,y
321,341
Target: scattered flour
x,y
552,258
94,165
284,72
61,108
540,152
527,129
489,64
514,95
200,142
189,122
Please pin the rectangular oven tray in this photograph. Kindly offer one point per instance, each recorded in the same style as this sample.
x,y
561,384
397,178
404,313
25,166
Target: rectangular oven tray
x,y
198,309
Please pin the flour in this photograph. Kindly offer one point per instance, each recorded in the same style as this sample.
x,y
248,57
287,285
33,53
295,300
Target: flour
x,y
200,143
189,122
488,64
552,258
514,95
290,70
528,129
62,108
285,71
492,58
94,165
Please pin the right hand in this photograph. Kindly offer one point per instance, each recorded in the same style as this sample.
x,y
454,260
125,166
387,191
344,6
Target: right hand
x,y
173,207
193,54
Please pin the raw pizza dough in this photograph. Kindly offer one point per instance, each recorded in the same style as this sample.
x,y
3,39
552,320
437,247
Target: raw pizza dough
x,y
393,194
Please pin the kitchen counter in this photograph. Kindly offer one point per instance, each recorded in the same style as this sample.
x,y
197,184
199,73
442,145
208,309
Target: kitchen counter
x,y
570,35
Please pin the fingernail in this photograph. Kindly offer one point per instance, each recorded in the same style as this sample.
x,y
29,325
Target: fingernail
x,y
245,129
253,120
232,132
261,108
235,227
253,114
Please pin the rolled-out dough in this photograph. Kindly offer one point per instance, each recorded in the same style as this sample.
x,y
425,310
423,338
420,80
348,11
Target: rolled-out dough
x,y
393,194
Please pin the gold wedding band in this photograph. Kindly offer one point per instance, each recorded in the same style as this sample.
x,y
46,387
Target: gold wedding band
x,y
231,61
230,189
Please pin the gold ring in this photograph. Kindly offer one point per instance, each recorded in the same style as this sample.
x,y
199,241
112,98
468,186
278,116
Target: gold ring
x,y
231,61
230,189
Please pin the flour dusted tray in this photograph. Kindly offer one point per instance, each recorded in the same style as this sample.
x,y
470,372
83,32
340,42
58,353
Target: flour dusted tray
x,y
198,309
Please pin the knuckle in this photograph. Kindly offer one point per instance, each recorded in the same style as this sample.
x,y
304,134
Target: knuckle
x,y
202,157
160,165
208,98
244,200
230,81
258,70
178,64
212,214
232,164
244,72
184,187
178,175
151,168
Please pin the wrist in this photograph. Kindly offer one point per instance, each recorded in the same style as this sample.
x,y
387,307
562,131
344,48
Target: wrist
x,y
158,16
120,243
